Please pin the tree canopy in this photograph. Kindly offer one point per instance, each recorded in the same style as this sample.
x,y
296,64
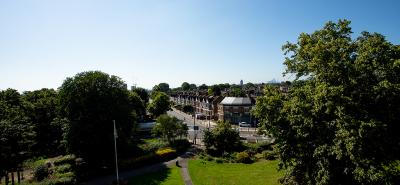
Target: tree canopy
x,y
185,86
42,108
17,135
223,138
91,101
169,128
160,104
340,125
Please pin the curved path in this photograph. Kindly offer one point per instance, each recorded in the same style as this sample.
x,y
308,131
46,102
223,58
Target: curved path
x,y
182,161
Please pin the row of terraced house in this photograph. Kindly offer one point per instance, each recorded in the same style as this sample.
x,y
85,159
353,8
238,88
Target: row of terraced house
x,y
224,107
231,109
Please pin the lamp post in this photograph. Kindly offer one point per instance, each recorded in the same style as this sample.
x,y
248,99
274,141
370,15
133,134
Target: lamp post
x,y
115,148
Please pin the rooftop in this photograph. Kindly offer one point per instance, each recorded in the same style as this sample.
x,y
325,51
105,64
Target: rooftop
x,y
236,101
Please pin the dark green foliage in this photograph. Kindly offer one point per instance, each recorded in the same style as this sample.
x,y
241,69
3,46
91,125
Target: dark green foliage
x,y
237,92
143,94
214,90
181,145
162,154
185,86
221,139
340,126
16,132
91,101
41,172
269,155
162,87
137,104
169,128
243,157
188,109
160,104
203,87
42,109
67,159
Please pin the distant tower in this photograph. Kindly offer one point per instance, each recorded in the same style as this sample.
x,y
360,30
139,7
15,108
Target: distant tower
x,y
241,82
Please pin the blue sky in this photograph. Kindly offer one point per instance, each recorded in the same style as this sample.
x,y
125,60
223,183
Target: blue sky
x,y
148,42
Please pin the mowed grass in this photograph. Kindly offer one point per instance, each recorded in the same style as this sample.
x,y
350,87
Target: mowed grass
x,y
167,176
210,173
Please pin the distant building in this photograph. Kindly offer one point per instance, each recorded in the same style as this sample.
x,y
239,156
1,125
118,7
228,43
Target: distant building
x,y
235,109
241,83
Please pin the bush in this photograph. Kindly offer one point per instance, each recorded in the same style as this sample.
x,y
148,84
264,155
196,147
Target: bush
x,y
41,172
243,157
153,145
269,155
151,158
63,175
187,109
258,147
166,153
219,160
67,159
63,168
181,145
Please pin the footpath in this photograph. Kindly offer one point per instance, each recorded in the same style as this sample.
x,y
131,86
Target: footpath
x,y
181,161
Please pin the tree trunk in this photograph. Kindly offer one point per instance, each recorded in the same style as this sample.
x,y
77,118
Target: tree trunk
x,y
6,178
18,176
12,178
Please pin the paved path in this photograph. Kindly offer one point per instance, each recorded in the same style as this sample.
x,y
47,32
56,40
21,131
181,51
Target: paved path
x,y
183,163
107,180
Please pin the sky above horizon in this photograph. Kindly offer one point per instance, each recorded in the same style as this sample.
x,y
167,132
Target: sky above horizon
x,y
148,42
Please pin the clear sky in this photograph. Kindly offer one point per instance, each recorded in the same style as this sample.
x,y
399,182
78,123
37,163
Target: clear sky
x,y
147,42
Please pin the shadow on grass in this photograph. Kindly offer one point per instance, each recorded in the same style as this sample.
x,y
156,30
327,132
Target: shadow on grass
x,y
152,178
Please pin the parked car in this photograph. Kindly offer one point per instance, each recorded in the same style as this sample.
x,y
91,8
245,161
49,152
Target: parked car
x,y
244,124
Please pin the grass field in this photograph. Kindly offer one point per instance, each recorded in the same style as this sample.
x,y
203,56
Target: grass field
x,y
210,173
168,176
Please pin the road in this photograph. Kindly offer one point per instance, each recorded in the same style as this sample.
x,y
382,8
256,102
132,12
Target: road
x,y
188,120
250,134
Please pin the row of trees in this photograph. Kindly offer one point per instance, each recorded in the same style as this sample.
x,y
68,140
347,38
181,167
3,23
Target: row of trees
x,y
339,123
77,119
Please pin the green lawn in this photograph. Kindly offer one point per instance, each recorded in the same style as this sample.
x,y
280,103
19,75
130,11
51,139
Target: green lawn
x,y
259,173
168,176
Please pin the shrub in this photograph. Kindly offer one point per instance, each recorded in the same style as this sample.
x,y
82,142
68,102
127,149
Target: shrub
x,y
269,155
63,175
41,172
63,168
208,158
181,145
160,155
219,160
243,157
67,159
166,153
258,147
153,146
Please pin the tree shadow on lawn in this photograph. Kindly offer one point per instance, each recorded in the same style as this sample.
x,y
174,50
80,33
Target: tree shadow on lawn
x,y
151,178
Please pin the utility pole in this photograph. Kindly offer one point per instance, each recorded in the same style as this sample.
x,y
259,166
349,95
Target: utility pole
x,y
209,119
194,125
115,148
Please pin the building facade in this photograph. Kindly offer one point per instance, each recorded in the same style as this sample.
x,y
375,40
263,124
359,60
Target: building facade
x,y
236,109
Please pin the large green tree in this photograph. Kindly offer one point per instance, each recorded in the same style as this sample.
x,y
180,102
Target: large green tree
x,y
160,104
340,125
144,95
91,101
185,86
42,108
164,87
223,138
16,133
169,128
